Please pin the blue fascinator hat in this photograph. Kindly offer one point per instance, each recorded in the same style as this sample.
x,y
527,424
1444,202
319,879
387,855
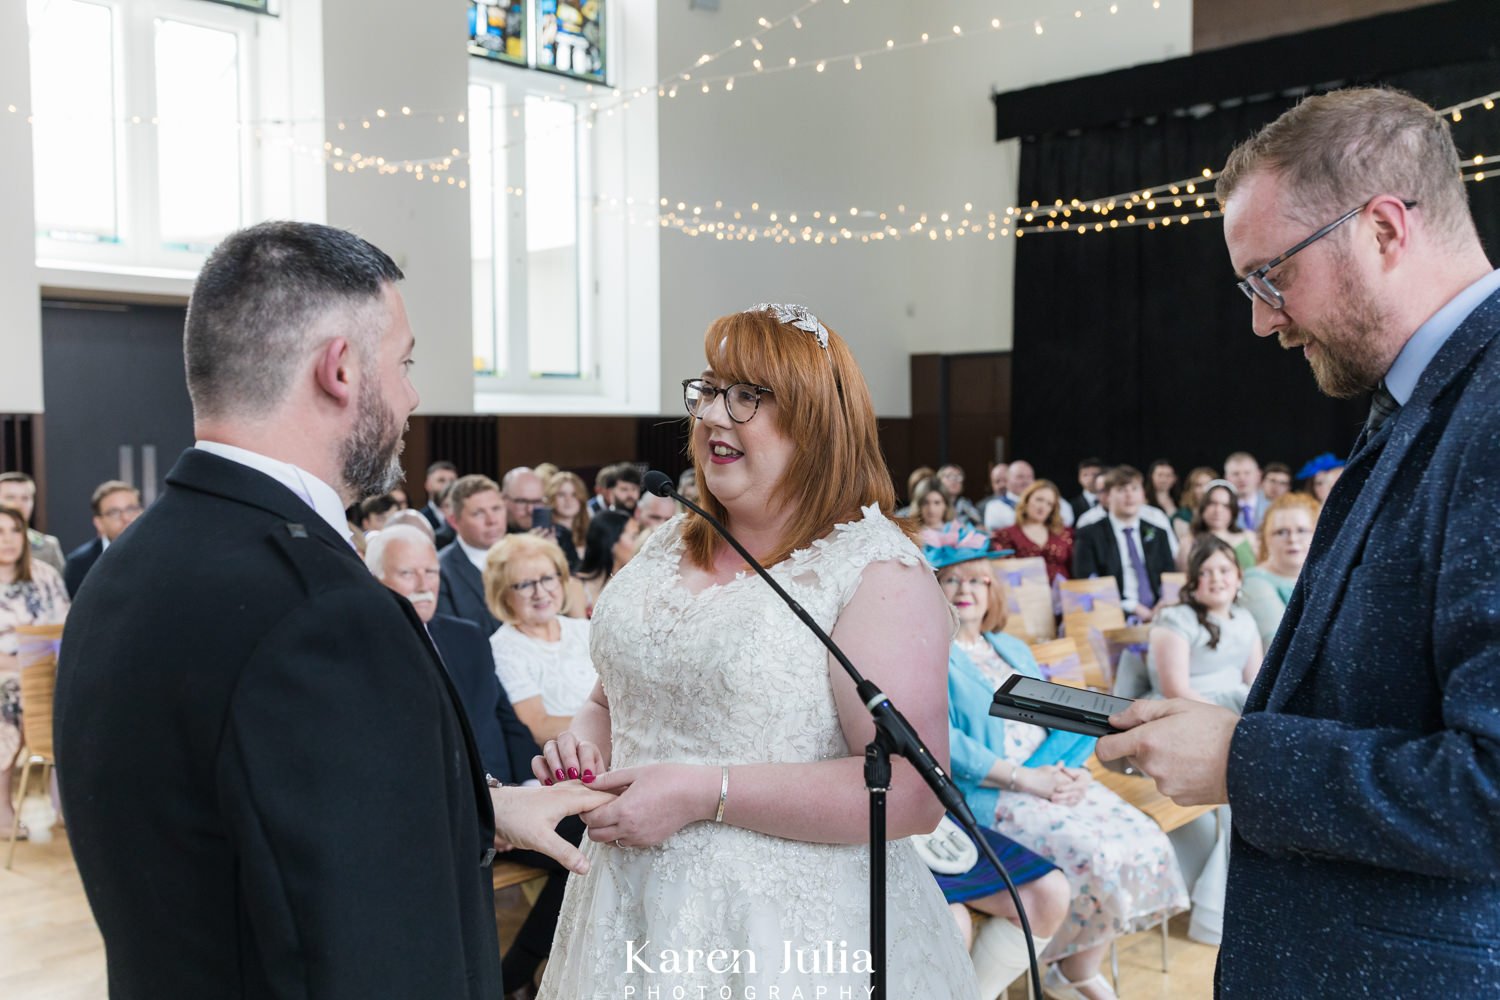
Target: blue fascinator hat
x,y
956,542
1324,462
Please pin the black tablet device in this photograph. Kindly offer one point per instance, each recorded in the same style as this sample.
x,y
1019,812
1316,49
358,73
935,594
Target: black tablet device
x,y
1057,706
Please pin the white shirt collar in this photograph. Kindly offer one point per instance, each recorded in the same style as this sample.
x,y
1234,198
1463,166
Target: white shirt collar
x,y
476,555
307,487
1120,525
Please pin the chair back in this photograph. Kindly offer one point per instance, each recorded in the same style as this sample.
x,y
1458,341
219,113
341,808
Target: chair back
x,y
1171,587
38,656
1059,662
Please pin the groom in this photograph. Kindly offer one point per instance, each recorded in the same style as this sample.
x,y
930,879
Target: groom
x,y
270,786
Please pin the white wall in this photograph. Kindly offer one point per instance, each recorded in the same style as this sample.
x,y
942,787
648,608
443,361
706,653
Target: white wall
x,y
21,332
913,127
386,54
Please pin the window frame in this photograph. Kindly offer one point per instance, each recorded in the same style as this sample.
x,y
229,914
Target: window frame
x,y
140,245
510,86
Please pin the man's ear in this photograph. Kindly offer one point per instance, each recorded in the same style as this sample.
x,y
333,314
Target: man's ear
x,y
335,369
1392,228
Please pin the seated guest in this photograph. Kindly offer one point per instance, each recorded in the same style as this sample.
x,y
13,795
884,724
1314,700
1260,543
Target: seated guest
x,y
18,490
1122,545
1161,487
931,505
1285,535
31,593
412,519
627,491
917,476
402,557
1276,481
1321,473
1039,530
951,478
541,656
1192,496
611,543
570,515
1018,479
604,490
523,492
687,483
352,517
373,512
1244,474
399,496
1025,782
1089,471
477,513
1148,514
1219,515
998,472
652,511
115,505
1207,647
440,475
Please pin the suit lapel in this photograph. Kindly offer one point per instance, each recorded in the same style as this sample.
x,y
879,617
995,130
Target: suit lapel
x,y
1352,508
469,575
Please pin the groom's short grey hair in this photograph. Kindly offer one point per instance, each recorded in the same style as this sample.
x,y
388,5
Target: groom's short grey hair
x,y
262,304
376,544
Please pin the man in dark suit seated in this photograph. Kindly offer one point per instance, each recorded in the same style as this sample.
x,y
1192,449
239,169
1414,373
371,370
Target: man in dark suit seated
x,y
479,518
440,476
270,786
404,560
116,505
1121,545
1364,775
1089,471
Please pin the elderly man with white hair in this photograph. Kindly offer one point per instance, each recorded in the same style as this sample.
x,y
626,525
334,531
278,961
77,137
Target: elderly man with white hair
x,y
652,510
403,558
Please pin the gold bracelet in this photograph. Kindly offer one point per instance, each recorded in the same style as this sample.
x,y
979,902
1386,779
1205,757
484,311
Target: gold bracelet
x,y
723,794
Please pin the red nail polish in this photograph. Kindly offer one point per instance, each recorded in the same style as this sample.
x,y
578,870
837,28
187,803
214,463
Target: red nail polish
x,y
561,776
549,781
588,777
572,772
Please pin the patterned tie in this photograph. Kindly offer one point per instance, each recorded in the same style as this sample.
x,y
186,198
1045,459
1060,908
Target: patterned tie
x,y
1382,405
1247,516
1145,596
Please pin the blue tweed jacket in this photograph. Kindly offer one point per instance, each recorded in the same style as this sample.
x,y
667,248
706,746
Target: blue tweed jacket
x,y
1365,775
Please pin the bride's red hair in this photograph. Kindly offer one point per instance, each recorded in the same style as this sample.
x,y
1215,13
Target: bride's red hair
x,y
823,405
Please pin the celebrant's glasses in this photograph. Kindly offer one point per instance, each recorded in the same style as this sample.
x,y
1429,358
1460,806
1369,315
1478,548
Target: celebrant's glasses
x,y
1257,286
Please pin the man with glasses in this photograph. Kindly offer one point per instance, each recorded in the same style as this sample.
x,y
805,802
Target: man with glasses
x,y
115,505
522,489
1365,773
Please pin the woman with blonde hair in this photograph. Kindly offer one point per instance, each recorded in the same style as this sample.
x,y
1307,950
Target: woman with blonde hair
x,y
541,654
735,747
1039,530
568,498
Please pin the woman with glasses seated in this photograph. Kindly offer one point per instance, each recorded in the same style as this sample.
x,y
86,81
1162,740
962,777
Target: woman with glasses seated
x,y
1029,784
541,655
1285,535
734,743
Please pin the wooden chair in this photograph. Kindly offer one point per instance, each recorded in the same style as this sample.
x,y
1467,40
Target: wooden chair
x,y
1171,587
38,656
508,873
1140,791
1061,662
1087,605
1109,645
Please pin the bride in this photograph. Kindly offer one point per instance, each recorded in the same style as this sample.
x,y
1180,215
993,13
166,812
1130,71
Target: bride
x,y
735,856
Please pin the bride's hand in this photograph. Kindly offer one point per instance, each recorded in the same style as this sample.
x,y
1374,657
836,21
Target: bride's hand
x,y
568,758
654,802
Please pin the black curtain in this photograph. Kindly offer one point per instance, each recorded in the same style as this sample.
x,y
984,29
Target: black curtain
x,y
1135,344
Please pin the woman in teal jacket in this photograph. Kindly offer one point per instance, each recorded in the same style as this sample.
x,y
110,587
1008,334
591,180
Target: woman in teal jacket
x,y
1029,784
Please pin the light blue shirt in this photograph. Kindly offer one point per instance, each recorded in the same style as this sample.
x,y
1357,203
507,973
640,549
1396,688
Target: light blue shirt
x,y
1423,346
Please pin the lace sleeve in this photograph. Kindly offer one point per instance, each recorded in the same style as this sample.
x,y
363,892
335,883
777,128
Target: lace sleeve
x,y
855,545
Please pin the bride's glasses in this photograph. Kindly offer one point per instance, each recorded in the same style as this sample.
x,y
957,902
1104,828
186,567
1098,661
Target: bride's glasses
x,y
741,400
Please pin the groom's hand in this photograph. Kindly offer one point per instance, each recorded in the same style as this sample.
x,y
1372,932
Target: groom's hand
x,y
528,817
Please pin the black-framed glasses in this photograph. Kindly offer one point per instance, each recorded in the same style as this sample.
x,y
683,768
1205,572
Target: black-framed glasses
x,y
526,587
1257,286
741,400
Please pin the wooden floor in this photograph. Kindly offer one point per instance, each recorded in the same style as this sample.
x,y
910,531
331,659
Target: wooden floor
x,y
51,950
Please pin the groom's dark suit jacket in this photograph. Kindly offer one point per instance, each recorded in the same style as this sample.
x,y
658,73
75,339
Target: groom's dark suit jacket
x,y
1365,775
270,788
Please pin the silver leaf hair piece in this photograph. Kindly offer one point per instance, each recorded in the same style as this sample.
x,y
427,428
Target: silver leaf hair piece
x,y
793,315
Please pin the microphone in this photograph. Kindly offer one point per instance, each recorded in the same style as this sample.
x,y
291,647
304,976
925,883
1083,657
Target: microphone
x,y
901,734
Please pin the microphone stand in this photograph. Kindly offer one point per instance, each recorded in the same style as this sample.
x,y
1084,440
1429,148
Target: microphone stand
x,y
893,734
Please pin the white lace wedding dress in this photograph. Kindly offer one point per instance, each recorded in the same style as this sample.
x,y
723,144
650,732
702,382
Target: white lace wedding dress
x,y
730,676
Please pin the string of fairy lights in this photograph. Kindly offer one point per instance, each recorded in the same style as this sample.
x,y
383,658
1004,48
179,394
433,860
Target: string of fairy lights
x,y
1161,205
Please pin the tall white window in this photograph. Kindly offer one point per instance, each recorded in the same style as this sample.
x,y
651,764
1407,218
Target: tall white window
x,y
143,129
531,206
